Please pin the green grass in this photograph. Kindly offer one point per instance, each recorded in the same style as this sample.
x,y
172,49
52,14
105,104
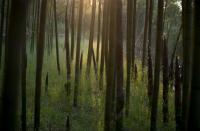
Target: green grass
x,y
89,116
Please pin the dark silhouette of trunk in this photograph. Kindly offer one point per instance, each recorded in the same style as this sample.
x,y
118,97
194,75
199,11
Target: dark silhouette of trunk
x,y
178,95
95,65
38,16
49,29
91,38
99,31
2,27
39,64
104,42
23,91
51,25
134,32
107,40
119,68
150,68
110,71
68,67
72,29
67,47
128,52
7,20
171,69
187,59
150,75
135,72
47,83
194,122
157,65
81,63
77,64
56,35
67,124
13,66
34,24
145,36
165,81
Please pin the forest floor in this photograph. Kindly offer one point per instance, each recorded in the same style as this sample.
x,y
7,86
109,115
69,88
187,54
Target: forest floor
x,y
89,115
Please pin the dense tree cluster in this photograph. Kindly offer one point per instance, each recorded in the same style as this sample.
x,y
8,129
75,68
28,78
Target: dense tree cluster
x,y
160,36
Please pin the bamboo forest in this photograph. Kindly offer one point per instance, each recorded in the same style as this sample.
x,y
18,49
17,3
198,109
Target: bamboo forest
x,y
99,65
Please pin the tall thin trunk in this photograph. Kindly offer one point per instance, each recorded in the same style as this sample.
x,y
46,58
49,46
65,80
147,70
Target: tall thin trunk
x,y
81,63
110,89
157,65
150,68
68,67
7,20
145,36
95,64
103,40
119,69
165,81
77,64
178,96
13,61
68,58
72,29
187,59
134,33
99,31
128,52
150,75
91,38
171,70
39,64
194,122
56,34
2,27
23,90
34,22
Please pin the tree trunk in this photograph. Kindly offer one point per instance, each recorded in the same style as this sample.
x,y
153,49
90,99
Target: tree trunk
x,y
119,69
187,59
178,96
128,52
24,68
150,69
72,29
111,74
91,38
34,24
157,65
145,36
12,72
68,58
171,69
77,64
68,67
7,20
99,31
2,27
39,64
81,63
165,81
56,34
194,122
134,33
104,31
95,65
